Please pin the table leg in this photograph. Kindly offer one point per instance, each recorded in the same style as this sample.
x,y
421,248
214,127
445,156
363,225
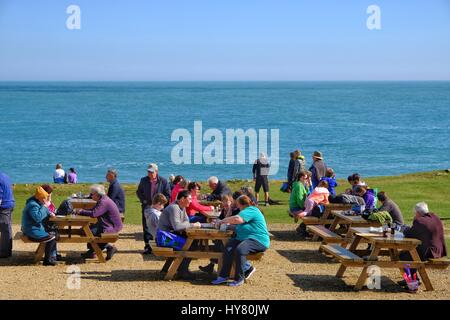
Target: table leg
x,y
177,261
97,250
363,276
167,264
335,224
422,271
39,253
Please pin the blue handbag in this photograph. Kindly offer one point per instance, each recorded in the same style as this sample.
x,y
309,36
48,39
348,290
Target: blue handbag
x,y
169,240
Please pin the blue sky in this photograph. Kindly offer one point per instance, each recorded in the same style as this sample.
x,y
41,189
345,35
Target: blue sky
x,y
225,40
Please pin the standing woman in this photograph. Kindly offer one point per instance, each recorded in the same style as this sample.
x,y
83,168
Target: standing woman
x,y
252,236
260,176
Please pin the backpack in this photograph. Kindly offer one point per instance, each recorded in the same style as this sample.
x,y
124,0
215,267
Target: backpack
x,y
65,208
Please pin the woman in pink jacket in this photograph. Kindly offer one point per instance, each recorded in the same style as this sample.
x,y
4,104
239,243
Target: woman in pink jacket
x,y
318,196
195,206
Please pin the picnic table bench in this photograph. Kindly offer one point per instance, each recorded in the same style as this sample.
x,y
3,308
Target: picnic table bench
x,y
68,234
393,244
175,257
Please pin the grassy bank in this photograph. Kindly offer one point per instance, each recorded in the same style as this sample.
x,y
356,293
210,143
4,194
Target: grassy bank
x,y
406,190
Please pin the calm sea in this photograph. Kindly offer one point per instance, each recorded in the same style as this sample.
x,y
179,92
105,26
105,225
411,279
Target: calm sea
x,y
374,128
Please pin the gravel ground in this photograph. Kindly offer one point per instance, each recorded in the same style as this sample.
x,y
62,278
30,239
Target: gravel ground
x,y
291,269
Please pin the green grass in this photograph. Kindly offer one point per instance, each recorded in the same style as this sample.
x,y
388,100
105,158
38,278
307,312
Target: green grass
x,y
406,190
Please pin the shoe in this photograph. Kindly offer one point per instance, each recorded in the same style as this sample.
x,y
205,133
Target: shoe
x,y
88,255
147,250
219,280
207,269
187,275
110,251
249,272
50,262
59,257
236,283
267,204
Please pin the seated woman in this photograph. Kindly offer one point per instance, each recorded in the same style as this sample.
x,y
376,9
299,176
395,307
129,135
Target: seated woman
x,y
251,236
59,174
367,194
33,218
72,176
178,186
195,210
318,196
299,193
109,219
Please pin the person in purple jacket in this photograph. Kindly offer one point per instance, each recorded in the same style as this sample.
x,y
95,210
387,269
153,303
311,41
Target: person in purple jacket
x,y
109,220
367,194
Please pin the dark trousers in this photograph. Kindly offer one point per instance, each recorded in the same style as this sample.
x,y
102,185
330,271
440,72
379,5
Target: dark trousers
x,y
97,231
50,250
147,235
6,241
236,251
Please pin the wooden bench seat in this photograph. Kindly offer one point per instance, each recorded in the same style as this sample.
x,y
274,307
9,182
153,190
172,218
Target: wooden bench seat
x,y
325,234
441,263
342,255
308,220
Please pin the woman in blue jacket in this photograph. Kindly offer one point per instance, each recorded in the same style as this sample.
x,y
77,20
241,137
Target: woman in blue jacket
x,y
33,218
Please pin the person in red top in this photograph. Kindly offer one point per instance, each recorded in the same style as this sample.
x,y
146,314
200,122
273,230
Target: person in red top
x,y
179,184
195,206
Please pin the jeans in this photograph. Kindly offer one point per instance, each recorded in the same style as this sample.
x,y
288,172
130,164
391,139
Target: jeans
x,y
6,242
197,218
236,251
147,235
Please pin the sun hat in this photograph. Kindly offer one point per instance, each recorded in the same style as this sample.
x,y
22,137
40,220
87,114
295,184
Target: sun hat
x,y
318,155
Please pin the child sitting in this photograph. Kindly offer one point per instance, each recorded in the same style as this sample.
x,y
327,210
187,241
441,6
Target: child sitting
x,y
318,196
330,177
154,212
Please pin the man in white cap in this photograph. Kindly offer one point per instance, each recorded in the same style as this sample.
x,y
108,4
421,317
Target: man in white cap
x,y
148,187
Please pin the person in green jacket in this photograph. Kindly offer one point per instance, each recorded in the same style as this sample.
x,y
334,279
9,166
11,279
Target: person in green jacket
x,y
299,193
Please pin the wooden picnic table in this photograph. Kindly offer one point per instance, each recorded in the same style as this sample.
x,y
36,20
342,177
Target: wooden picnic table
x,y
75,229
394,244
174,259
341,218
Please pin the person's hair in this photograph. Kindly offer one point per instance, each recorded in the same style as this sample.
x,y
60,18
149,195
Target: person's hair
x,y
421,208
213,179
159,198
323,184
291,154
184,183
359,189
177,179
350,178
72,170
192,185
237,194
98,189
297,153
382,196
309,173
227,197
113,172
301,174
330,173
244,200
59,166
183,194
47,188
356,177
248,191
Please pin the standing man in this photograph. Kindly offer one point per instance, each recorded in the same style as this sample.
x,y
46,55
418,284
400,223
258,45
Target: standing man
x,y
115,190
148,187
6,208
260,176
318,168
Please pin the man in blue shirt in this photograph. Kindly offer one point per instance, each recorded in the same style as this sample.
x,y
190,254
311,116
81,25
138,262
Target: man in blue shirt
x,y
115,190
6,208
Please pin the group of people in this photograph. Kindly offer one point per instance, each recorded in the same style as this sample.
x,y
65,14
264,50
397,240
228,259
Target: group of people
x,y
311,189
60,176
170,208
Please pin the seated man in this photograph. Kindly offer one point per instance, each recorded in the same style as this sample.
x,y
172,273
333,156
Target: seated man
x,y
218,188
428,228
109,220
174,219
390,206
